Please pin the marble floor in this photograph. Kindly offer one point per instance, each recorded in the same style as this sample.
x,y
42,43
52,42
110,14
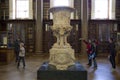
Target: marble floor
x,y
103,72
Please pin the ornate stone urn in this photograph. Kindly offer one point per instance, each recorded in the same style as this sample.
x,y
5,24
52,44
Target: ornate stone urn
x,y
61,53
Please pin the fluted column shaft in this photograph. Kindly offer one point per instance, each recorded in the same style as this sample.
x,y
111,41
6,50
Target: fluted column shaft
x,y
84,21
39,22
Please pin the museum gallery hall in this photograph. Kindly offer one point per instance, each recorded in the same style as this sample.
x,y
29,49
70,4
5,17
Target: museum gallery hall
x,y
52,39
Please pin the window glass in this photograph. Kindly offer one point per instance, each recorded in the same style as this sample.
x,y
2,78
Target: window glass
x,y
59,3
22,8
103,9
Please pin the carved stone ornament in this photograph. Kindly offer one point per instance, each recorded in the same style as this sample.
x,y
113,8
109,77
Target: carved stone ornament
x,y
61,53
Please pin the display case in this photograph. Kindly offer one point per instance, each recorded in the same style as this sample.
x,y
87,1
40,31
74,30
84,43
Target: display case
x,y
6,55
6,44
118,36
3,39
30,38
6,37
118,49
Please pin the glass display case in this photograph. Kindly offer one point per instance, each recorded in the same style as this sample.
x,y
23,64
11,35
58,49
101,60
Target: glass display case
x,y
118,49
3,39
118,42
6,44
118,36
6,37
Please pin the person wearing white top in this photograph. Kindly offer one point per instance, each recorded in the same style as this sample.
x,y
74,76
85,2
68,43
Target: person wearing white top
x,y
21,55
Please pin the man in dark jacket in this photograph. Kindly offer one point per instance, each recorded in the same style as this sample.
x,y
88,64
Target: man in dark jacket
x,y
16,49
112,52
93,54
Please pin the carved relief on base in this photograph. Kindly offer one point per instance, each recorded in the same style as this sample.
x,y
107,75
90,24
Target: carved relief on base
x,y
61,58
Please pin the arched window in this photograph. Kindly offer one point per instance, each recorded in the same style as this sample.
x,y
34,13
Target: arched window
x,y
21,9
103,9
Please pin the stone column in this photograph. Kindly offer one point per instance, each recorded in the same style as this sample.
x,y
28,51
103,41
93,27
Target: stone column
x,y
84,23
39,22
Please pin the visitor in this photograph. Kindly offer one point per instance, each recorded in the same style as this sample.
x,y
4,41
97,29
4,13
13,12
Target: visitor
x,y
93,54
112,52
21,55
16,49
88,50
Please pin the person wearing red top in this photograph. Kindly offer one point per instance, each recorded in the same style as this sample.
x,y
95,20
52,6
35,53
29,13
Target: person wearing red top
x,y
88,46
89,51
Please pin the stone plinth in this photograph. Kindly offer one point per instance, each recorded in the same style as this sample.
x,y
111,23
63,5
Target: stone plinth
x,y
48,72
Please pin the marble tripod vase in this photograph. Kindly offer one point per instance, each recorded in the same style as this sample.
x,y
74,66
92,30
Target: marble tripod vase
x,y
61,53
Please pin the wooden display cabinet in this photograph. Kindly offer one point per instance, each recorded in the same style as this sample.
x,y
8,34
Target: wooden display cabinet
x,y
6,55
6,44
6,50
30,38
118,49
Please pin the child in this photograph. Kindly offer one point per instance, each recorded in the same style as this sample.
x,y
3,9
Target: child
x,y
21,55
